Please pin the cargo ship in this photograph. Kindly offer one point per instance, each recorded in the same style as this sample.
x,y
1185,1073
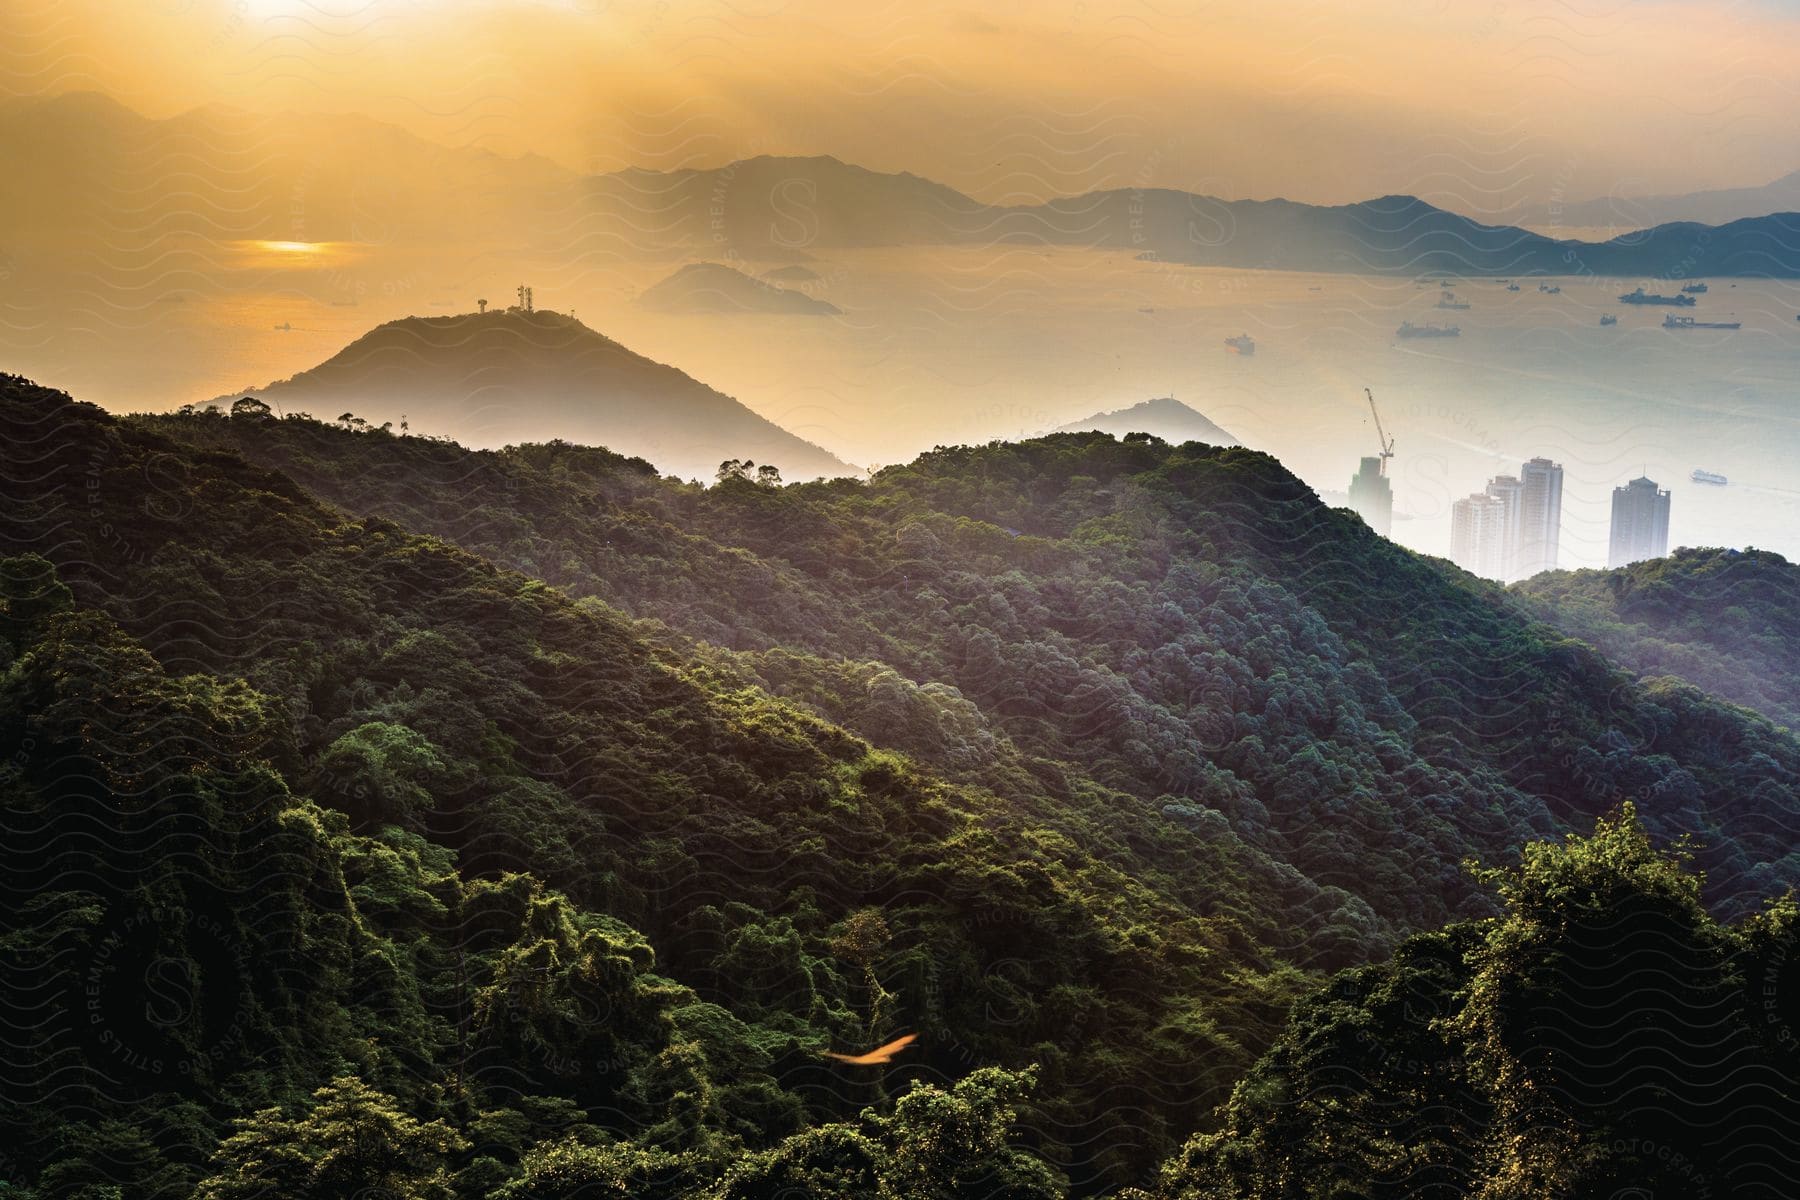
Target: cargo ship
x,y
1512,287
1449,300
1695,289
1242,343
1609,319
1642,297
1409,330
1549,289
1712,477
1674,322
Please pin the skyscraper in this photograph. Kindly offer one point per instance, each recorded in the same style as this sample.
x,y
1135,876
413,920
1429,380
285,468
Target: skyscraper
x,y
1540,517
1640,523
1510,492
1478,541
1372,496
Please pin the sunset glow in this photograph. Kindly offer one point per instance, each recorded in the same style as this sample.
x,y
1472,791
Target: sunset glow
x,y
302,249
731,599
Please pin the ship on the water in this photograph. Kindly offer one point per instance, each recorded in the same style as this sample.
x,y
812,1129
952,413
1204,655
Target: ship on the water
x,y
1642,297
1409,330
1712,477
1695,289
1512,287
1550,289
1449,300
1674,322
1609,319
1243,343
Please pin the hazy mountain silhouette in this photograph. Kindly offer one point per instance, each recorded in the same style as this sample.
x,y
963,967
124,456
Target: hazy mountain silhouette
x,y
1719,206
104,175
773,207
507,377
791,274
1403,235
713,288
1165,417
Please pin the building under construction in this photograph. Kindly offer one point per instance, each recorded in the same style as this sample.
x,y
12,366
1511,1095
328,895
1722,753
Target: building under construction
x,y
1371,495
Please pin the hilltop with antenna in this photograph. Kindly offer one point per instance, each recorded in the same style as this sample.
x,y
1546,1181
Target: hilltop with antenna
x,y
496,377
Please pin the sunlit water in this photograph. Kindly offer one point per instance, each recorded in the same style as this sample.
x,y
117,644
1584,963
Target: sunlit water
x,y
956,345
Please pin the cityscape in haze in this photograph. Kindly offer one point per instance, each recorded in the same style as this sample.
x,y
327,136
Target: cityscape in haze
x,y
945,600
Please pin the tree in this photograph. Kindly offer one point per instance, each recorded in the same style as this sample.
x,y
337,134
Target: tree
x,y
952,1145
860,940
1601,1017
250,407
936,1145
571,1170
30,592
734,468
380,773
351,1141
768,476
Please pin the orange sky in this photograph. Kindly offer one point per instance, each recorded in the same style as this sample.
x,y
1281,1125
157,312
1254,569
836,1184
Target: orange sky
x,y
1485,101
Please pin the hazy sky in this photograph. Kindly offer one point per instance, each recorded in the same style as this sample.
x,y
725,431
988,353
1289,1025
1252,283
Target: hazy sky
x,y
1472,102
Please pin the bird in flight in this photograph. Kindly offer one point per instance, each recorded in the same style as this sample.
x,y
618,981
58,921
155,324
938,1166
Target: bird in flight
x,y
880,1054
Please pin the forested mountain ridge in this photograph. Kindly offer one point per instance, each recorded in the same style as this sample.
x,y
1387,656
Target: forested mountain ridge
x,y
1189,624
1604,1036
398,869
475,729
1725,620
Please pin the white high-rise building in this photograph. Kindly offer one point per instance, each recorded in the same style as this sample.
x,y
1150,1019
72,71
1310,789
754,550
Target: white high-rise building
x,y
1540,517
1478,541
1640,523
1510,492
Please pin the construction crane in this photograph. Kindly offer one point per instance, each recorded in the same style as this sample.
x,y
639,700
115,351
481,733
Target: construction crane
x,y
1387,443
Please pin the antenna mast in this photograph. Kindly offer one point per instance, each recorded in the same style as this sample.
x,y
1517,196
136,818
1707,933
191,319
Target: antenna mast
x,y
1387,443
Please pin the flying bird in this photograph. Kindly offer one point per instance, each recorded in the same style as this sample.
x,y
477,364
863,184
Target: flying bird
x,y
880,1054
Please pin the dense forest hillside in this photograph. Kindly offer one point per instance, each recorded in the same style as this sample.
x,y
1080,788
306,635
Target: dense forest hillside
x,y
1187,624
383,817
546,862
1603,1037
1725,620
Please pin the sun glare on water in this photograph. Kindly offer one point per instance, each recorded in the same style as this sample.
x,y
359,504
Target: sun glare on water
x,y
278,254
290,249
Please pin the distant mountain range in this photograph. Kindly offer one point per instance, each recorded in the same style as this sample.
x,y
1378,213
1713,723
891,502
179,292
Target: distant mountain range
x,y
768,208
1165,417
104,172
713,289
496,378
1719,206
